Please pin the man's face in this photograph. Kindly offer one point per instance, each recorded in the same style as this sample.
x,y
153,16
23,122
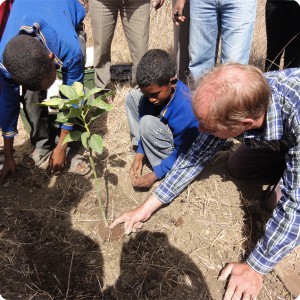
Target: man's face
x,y
158,95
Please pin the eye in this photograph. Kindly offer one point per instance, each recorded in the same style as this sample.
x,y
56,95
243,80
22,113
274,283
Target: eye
x,y
154,95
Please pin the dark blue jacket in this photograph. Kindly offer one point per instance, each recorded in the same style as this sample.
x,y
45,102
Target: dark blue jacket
x,y
54,22
179,116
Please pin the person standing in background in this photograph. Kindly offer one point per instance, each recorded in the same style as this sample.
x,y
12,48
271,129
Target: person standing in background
x,y
230,22
283,34
181,43
135,18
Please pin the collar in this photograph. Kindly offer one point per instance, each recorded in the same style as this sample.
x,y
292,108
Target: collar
x,y
36,30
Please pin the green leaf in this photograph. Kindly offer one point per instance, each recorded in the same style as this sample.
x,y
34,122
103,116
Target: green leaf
x,y
78,87
84,139
68,91
96,143
92,92
55,102
62,117
98,102
73,113
73,102
72,136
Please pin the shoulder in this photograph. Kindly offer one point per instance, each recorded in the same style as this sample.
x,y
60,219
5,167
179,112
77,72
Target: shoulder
x,y
182,91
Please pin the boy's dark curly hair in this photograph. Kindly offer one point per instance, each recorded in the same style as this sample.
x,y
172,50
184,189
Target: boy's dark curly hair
x,y
27,60
155,67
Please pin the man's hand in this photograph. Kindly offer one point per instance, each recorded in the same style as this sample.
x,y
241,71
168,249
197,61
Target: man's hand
x,y
9,165
158,3
244,283
145,181
177,12
134,219
136,167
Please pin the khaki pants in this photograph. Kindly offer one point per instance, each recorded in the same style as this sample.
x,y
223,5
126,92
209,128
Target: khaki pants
x,y
135,18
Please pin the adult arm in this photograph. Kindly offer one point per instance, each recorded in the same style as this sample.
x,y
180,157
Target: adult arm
x,y
281,236
186,168
178,12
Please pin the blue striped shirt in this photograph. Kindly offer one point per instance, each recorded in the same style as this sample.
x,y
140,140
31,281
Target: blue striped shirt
x,y
281,132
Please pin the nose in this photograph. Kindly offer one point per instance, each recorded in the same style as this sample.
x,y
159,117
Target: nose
x,y
152,99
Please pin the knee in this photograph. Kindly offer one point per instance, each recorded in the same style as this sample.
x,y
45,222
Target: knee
x,y
146,125
132,98
234,167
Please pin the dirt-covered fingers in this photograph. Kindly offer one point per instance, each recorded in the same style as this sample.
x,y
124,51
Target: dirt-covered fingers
x,y
122,219
246,296
137,226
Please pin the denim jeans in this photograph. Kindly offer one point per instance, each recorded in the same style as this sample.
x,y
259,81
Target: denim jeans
x,y
232,21
156,137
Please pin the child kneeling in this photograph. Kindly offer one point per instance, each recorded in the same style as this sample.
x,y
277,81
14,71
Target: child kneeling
x,y
160,116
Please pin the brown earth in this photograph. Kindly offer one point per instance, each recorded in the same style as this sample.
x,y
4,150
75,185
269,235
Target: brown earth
x,y
54,245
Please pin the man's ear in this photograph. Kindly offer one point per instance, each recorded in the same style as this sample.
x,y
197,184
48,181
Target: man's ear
x,y
173,82
248,123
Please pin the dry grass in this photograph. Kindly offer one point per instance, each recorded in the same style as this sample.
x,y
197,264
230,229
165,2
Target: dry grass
x,y
182,248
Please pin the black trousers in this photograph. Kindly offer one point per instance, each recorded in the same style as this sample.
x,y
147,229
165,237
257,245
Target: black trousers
x,y
283,34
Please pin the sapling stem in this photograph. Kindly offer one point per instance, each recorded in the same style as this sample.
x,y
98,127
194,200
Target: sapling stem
x,y
74,107
101,209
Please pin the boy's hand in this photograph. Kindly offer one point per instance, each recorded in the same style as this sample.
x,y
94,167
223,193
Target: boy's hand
x,y
9,168
57,159
145,181
136,167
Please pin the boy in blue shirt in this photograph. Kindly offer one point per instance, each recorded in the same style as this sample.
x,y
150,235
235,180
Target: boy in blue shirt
x,y
40,36
160,116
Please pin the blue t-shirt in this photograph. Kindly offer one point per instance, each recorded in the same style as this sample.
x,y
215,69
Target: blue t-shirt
x,y
54,22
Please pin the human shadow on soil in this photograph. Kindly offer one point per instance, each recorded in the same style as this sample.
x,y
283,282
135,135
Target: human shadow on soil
x,y
151,268
41,256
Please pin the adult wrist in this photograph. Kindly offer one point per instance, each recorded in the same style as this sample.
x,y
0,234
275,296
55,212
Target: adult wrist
x,y
257,265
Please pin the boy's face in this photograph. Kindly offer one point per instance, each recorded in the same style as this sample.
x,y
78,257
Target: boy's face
x,y
158,95
51,78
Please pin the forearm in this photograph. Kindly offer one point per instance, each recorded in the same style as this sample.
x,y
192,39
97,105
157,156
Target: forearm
x,y
187,167
152,204
61,145
281,236
8,148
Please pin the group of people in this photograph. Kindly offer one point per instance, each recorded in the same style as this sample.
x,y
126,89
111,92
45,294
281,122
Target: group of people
x,y
178,132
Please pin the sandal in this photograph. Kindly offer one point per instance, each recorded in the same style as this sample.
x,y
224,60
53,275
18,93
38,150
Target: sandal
x,y
79,165
35,159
